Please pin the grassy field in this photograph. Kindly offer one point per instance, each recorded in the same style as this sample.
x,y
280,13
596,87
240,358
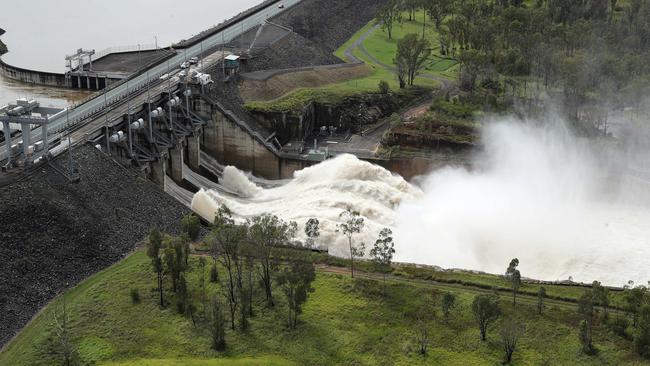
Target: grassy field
x,y
344,322
383,49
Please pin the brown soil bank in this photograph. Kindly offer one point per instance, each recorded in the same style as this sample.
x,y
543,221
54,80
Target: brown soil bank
x,y
284,82
54,233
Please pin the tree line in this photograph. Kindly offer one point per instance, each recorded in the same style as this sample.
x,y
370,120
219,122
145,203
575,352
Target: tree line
x,y
585,51
250,262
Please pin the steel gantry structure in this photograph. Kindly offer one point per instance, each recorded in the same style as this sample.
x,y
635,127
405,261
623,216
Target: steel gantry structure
x,y
139,83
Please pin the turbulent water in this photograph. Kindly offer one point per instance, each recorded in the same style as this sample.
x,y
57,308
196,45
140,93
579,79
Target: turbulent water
x,y
558,203
321,191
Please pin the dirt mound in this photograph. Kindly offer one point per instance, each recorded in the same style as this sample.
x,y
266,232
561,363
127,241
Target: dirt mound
x,y
285,82
55,233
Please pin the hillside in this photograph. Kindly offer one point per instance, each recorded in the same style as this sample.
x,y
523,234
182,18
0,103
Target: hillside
x,y
344,321
56,233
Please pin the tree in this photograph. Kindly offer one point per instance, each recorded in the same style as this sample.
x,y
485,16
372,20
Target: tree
x,y
412,52
312,231
448,303
635,298
388,15
586,338
226,240
65,348
175,259
486,310
153,251
382,253
202,265
268,232
295,281
586,310
642,333
511,331
217,325
249,283
601,297
214,273
191,225
438,10
184,303
512,273
422,320
541,294
384,87
352,224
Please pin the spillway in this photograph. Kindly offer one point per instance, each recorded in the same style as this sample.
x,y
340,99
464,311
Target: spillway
x,y
536,192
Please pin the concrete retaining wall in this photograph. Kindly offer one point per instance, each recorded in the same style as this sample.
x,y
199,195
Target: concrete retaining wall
x,y
33,77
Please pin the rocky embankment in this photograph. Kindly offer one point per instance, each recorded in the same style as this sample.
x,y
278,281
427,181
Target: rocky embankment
x,y
54,233
320,27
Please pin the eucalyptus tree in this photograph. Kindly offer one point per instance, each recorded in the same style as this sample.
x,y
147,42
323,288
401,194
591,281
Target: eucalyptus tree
x,y
268,233
352,223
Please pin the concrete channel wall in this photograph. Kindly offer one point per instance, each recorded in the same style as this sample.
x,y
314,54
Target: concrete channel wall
x,y
33,76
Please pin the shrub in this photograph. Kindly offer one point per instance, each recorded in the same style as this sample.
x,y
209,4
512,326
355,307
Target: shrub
x,y
191,225
619,326
214,274
454,109
135,296
384,87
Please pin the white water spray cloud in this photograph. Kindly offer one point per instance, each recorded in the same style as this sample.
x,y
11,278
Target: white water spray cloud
x,y
540,194
536,192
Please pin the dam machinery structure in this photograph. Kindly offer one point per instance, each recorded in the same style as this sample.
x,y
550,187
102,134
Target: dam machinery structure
x,y
153,83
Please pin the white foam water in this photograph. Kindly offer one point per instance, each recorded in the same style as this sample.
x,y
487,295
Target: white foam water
x,y
537,193
322,191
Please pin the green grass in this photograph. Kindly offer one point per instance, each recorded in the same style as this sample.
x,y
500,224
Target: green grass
x,y
266,361
383,49
344,322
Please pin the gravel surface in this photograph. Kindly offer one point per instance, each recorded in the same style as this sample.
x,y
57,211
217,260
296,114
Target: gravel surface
x,y
54,234
320,27
329,23
291,52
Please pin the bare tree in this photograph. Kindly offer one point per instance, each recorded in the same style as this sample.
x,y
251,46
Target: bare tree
x,y
511,331
63,337
422,322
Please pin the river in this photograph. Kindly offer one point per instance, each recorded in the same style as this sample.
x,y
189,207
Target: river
x,y
41,32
